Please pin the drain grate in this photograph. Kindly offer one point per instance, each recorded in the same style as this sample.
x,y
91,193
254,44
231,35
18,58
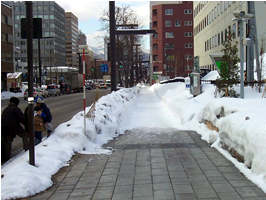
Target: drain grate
x,y
155,146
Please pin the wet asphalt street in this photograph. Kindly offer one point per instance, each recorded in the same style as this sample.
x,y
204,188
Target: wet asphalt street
x,y
63,108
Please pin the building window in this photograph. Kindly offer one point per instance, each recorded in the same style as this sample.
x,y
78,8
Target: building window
x,y
155,68
169,34
155,46
187,23
177,23
188,57
168,11
169,46
187,11
188,34
154,24
155,35
188,45
155,57
154,12
168,23
225,35
234,30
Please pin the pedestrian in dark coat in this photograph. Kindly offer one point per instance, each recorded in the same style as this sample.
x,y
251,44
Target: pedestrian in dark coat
x,y
12,118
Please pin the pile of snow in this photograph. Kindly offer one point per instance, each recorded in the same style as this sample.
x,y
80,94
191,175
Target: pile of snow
x,y
212,75
7,95
23,180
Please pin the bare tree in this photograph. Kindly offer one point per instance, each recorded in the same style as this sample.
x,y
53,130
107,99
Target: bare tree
x,y
124,16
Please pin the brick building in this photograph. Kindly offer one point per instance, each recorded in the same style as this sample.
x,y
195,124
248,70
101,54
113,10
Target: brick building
x,y
172,46
6,44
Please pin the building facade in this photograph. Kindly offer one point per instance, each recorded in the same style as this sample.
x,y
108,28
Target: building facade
x,y
88,61
172,46
82,40
212,23
72,36
7,65
52,44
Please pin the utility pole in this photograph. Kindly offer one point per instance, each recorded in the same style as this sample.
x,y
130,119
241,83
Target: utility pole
x,y
40,62
241,17
250,45
30,80
255,38
112,44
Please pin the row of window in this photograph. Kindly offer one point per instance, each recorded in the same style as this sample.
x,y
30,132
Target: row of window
x,y
171,57
170,69
198,8
171,34
212,15
170,11
220,38
177,23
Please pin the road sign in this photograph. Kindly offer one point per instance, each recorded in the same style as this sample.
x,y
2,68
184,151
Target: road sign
x,y
104,67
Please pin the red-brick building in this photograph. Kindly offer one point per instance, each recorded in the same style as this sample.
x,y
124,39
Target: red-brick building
x,y
172,46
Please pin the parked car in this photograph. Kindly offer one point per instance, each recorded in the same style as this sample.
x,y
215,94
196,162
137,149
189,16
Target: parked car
x,y
108,83
44,92
102,86
36,92
53,90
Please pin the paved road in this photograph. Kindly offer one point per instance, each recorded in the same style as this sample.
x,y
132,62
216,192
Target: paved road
x,y
63,108
176,165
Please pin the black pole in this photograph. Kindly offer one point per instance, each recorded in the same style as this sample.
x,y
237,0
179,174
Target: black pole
x,y
131,62
30,80
112,44
40,62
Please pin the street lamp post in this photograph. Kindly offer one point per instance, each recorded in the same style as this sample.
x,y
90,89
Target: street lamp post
x,y
241,17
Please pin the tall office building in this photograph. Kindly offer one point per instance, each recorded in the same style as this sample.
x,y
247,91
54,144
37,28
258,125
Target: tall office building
x,y
212,22
172,46
72,36
82,39
6,44
53,32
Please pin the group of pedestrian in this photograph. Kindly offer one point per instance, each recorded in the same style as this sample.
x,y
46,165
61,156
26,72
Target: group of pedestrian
x,y
14,122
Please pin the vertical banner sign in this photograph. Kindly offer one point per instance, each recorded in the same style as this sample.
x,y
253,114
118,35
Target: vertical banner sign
x,y
84,91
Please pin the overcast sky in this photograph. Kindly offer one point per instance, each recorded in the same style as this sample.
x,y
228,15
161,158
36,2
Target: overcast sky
x,y
89,12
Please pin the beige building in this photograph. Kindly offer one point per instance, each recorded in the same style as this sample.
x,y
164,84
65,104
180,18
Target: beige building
x,y
213,20
72,36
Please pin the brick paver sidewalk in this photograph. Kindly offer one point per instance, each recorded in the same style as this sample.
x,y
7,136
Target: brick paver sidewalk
x,y
176,165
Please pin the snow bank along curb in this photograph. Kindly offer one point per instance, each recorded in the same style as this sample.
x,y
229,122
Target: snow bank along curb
x,y
23,180
240,132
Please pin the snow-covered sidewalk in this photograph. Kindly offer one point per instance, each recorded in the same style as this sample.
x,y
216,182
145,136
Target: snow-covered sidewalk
x,y
160,106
